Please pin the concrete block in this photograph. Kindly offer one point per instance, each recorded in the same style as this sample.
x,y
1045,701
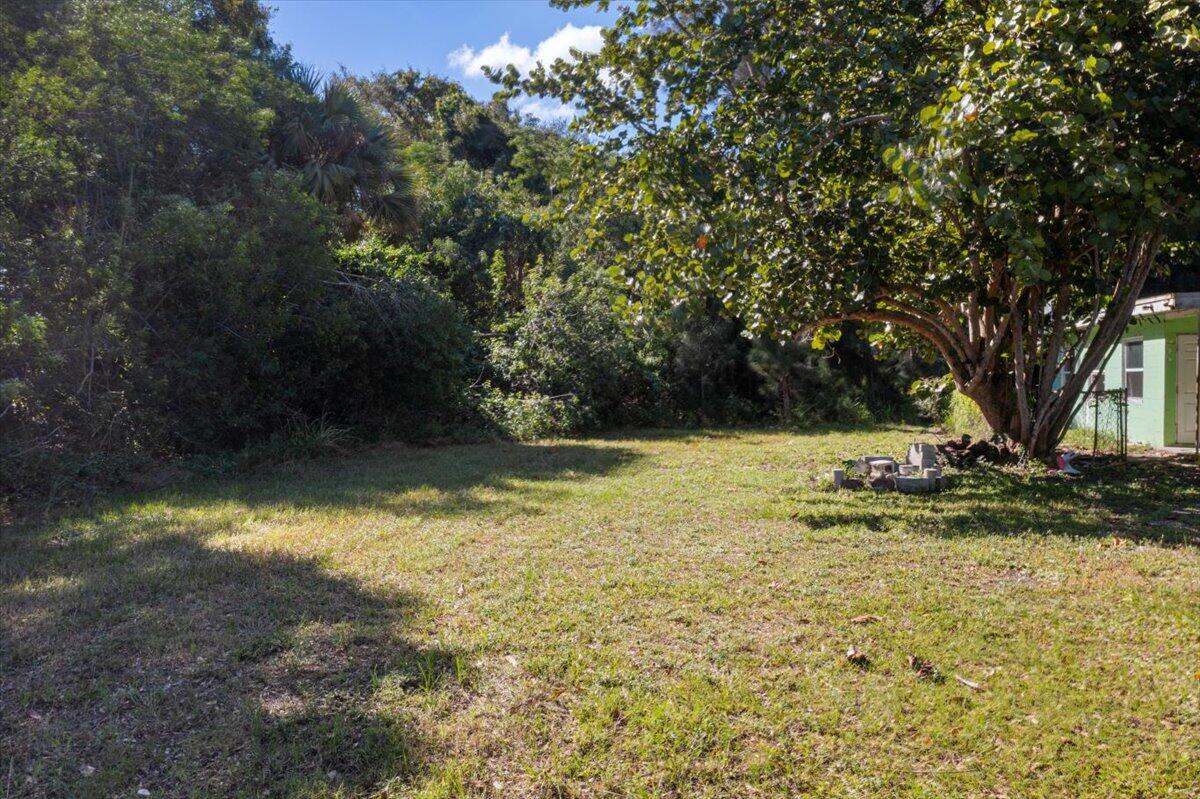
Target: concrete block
x,y
914,485
922,455
863,465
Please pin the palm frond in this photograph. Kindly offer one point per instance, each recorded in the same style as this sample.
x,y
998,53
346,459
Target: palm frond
x,y
328,182
307,77
347,158
340,105
397,210
299,136
401,179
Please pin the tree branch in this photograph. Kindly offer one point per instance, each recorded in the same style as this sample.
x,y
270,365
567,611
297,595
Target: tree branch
x,y
1018,336
931,333
1143,250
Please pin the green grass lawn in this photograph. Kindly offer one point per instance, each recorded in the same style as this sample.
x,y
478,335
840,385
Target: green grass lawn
x,y
657,615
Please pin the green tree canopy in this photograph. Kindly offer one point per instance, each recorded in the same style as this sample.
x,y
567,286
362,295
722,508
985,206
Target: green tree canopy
x,y
997,178
346,159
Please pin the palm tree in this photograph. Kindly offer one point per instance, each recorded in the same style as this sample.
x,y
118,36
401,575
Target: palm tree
x,y
345,158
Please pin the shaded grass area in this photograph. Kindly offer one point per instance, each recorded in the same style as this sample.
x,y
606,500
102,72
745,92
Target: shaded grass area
x,y
1136,497
659,614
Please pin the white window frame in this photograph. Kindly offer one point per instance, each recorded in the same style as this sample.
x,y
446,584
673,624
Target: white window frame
x,y
1125,370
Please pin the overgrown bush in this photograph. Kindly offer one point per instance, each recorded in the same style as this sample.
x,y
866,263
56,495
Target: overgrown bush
x,y
705,368
804,386
567,341
230,323
214,294
528,416
931,397
374,257
381,351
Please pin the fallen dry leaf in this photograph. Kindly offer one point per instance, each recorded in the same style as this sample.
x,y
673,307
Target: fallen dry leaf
x,y
856,657
974,686
866,618
924,669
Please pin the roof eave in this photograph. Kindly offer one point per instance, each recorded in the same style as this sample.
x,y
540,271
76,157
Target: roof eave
x,y
1173,304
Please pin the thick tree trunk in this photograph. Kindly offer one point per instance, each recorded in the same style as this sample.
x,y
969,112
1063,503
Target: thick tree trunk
x,y
1007,340
998,405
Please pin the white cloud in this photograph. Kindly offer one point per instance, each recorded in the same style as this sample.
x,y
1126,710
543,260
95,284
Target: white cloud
x,y
500,54
496,56
567,38
543,109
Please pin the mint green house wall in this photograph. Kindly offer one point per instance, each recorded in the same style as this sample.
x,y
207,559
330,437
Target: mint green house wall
x,y
1152,420
1172,328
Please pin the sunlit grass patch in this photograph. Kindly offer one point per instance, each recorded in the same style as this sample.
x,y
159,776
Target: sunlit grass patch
x,y
655,615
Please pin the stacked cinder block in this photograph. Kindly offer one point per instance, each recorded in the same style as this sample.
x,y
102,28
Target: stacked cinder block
x,y
919,474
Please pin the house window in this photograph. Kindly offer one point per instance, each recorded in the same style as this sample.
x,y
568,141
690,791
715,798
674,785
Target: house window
x,y
1133,370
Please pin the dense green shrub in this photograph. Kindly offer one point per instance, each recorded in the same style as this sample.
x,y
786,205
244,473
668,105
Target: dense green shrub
x,y
685,366
932,397
805,387
374,257
214,292
526,416
706,369
568,341
382,350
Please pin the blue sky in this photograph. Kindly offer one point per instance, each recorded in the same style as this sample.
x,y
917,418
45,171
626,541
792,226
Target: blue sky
x,y
447,37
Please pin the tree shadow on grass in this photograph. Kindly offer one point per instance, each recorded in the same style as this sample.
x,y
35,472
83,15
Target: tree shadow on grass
x,y
140,660
1151,499
135,654
457,480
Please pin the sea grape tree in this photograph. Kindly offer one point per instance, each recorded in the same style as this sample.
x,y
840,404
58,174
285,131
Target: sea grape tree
x,y
997,178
